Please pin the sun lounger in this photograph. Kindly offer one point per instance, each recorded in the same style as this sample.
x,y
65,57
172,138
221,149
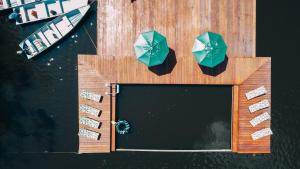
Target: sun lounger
x,y
89,110
90,95
256,92
260,118
261,133
88,134
258,106
89,122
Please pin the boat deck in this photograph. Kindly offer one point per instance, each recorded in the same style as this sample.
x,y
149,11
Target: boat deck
x,y
120,22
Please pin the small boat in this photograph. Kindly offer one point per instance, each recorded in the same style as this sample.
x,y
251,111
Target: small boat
x,y
52,32
44,10
7,4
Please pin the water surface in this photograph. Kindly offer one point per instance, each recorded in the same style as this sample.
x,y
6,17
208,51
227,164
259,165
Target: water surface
x,y
37,108
175,117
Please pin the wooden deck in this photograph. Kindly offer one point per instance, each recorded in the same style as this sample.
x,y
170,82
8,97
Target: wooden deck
x,y
186,71
90,80
244,74
113,117
120,22
245,144
181,21
235,118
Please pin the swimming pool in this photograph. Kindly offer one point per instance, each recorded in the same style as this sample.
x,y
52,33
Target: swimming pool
x,y
175,117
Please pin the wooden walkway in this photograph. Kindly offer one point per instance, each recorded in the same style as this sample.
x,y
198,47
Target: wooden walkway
x,y
244,74
186,71
120,22
244,142
90,80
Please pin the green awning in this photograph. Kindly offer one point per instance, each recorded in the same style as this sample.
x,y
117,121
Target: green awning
x,y
209,49
151,48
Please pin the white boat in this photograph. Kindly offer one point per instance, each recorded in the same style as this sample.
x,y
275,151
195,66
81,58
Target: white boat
x,y
52,32
7,4
45,9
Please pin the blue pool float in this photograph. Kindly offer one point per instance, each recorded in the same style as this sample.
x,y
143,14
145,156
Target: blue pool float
x,y
122,127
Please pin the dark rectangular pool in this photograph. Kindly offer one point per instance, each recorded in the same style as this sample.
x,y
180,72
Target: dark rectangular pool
x,y
175,117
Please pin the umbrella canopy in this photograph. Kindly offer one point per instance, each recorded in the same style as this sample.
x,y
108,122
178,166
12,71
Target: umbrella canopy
x,y
209,49
151,48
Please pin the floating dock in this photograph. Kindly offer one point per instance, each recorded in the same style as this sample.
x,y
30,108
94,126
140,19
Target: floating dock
x,y
90,80
120,22
242,129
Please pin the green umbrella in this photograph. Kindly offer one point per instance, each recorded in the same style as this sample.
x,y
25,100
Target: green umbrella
x,y
209,49
151,48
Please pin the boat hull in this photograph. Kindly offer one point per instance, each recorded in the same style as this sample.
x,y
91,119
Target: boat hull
x,y
9,4
52,32
43,10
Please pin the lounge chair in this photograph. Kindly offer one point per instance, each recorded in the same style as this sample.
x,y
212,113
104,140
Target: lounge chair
x,y
89,110
89,122
261,133
88,134
260,118
258,106
256,92
90,96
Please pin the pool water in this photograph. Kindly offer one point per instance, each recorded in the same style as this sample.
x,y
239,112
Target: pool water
x,y
175,117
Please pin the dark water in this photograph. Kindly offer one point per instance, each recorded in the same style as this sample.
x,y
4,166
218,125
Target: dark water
x,y
38,97
37,108
175,117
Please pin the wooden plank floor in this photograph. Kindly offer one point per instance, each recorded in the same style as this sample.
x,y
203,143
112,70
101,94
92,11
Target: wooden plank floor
x,y
244,73
120,22
181,21
88,79
262,77
186,71
235,118
113,117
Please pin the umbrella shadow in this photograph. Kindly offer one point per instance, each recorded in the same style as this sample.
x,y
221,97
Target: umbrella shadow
x,y
215,71
167,66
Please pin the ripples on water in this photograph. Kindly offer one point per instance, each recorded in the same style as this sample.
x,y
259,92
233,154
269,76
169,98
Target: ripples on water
x,y
36,106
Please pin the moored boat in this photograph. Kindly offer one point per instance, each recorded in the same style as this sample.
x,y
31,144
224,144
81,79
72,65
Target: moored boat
x,y
52,32
7,4
44,10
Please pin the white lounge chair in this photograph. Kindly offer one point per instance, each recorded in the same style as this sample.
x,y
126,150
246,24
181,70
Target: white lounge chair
x,y
89,122
261,133
256,92
90,95
89,110
260,118
258,106
88,134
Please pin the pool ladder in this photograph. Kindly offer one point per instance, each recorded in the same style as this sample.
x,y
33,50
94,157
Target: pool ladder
x,y
113,86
